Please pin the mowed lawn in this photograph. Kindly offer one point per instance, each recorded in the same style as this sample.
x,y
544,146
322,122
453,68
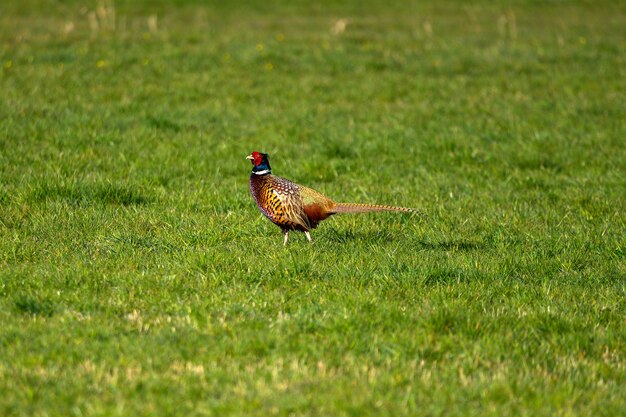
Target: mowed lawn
x,y
137,276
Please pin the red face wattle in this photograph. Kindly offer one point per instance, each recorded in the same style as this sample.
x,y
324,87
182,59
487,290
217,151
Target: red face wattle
x,y
257,158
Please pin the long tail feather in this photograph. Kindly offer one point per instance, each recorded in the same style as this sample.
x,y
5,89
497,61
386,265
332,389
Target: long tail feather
x,y
366,208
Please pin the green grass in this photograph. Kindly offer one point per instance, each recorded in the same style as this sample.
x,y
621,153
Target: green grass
x,y
137,277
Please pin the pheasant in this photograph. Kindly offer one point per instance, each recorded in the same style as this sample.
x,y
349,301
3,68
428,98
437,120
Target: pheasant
x,y
294,207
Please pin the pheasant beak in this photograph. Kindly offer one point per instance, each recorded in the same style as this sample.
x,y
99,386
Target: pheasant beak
x,y
250,157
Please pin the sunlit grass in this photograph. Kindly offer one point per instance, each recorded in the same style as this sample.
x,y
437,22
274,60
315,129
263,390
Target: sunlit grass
x,y
137,277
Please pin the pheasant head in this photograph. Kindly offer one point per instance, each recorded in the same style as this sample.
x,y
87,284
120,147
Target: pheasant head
x,y
260,162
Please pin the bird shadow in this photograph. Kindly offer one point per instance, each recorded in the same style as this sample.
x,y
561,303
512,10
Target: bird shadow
x,y
458,245
345,236
378,237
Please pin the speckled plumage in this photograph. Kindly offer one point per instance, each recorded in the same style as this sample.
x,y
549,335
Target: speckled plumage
x,y
285,202
294,207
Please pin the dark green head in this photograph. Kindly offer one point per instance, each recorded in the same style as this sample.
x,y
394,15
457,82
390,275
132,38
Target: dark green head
x,y
260,162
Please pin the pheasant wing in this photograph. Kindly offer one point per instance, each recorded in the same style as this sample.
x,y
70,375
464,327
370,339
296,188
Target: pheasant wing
x,y
289,206
316,205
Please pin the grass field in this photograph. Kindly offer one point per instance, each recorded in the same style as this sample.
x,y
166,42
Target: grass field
x,y
137,277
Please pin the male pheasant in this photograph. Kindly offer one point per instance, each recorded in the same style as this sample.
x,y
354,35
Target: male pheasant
x,y
294,207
